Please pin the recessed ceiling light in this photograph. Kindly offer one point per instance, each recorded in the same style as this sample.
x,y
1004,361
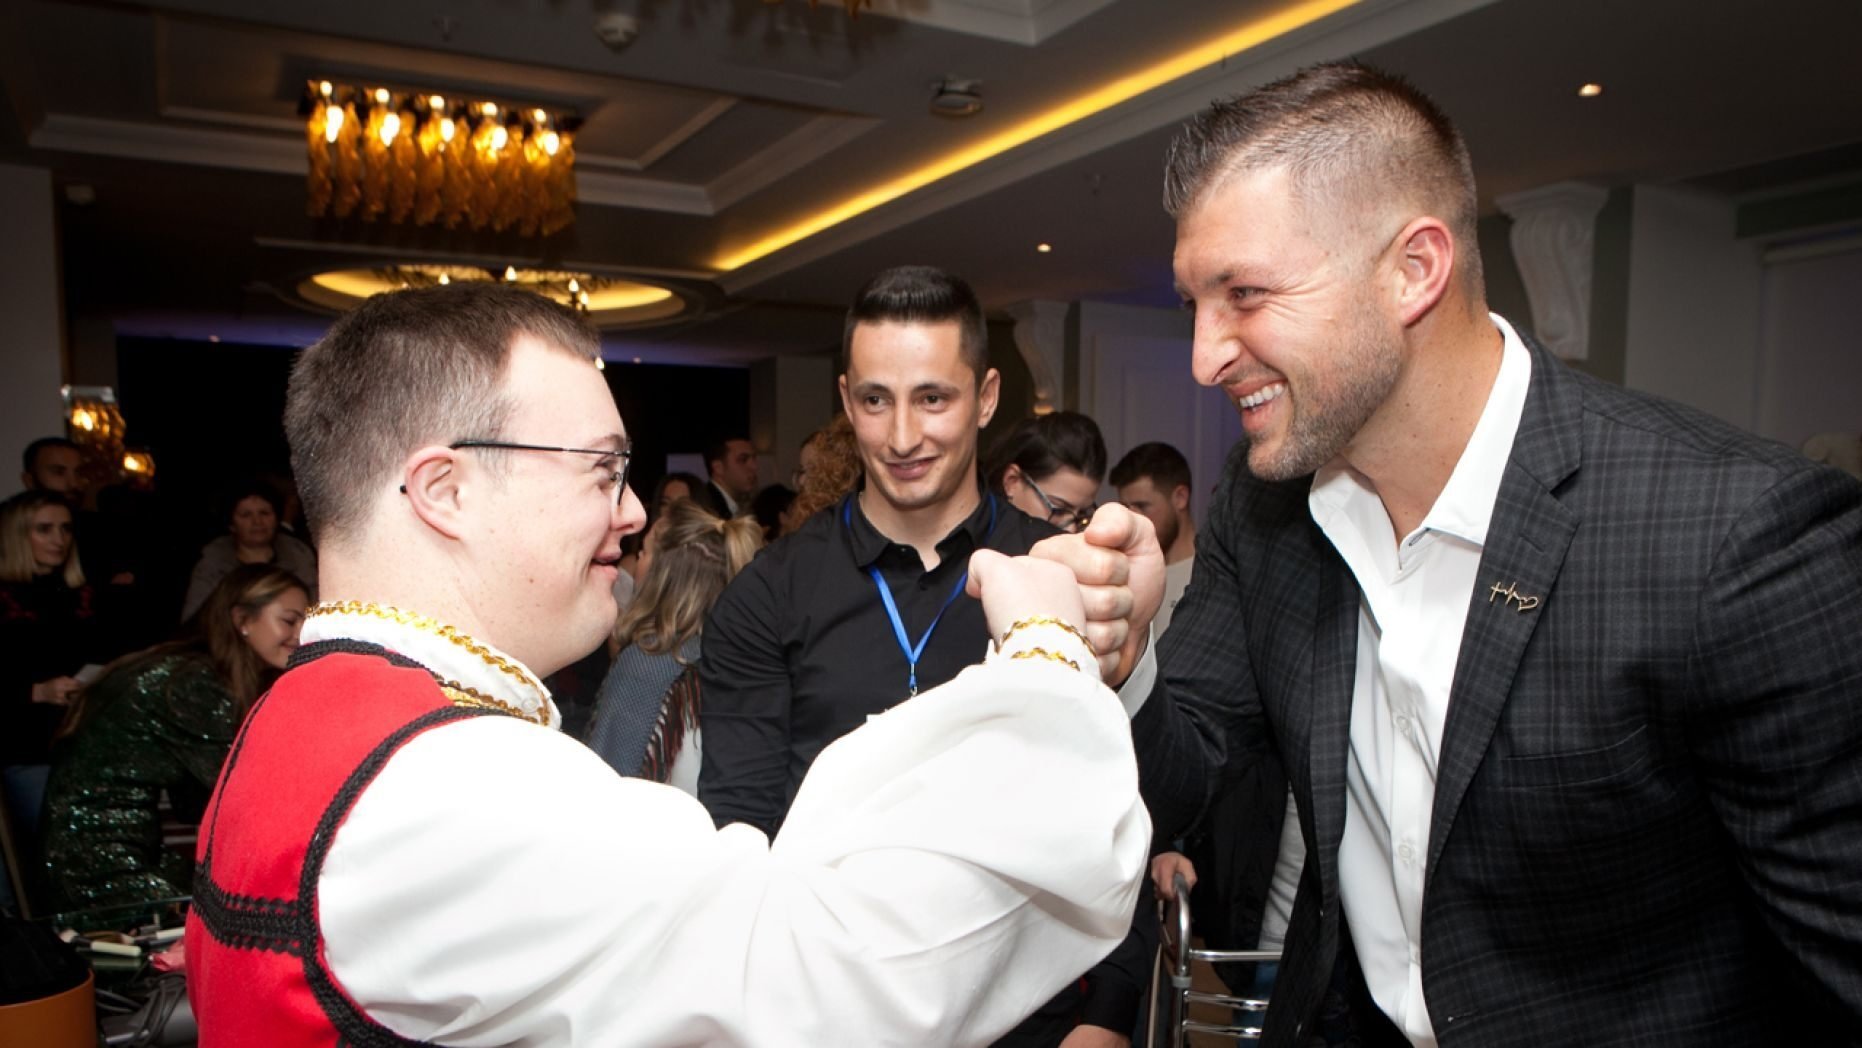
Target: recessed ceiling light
x,y
953,96
1590,90
1044,248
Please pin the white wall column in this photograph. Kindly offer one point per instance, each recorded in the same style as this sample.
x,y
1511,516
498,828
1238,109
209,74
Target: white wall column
x,y
1041,338
1553,238
1694,304
31,318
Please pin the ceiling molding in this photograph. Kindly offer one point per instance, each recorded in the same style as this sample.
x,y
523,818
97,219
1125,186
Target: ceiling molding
x,y
1027,22
202,147
277,124
647,194
700,120
809,143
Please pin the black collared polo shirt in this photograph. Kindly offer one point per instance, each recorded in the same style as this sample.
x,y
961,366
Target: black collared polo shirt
x,y
799,650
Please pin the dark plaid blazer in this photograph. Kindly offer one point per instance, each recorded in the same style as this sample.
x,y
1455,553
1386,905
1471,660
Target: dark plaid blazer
x,y
1647,825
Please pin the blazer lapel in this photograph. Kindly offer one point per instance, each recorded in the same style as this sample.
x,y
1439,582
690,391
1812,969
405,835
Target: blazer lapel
x,y
1526,543
1334,674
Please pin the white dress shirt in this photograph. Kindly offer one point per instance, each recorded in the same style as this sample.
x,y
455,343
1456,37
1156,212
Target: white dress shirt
x,y
1414,606
945,870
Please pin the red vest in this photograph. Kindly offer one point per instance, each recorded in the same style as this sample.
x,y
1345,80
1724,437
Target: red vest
x,y
255,966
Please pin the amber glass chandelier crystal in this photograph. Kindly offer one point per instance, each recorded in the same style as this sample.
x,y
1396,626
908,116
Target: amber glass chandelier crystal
x,y
426,159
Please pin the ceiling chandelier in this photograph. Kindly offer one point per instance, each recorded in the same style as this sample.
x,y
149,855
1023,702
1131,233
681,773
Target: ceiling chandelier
x,y
425,159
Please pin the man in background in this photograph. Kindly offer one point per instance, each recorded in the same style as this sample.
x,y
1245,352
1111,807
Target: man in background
x,y
864,606
52,464
1153,480
732,466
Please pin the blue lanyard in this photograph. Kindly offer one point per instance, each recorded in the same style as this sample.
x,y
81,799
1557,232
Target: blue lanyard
x,y
912,652
906,647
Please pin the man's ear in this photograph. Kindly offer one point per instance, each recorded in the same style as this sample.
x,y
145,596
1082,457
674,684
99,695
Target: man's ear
x,y
1425,265
433,481
845,405
986,396
1180,497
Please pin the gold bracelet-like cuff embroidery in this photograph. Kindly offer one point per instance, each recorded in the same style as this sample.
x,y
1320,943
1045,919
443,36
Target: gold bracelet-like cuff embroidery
x,y
1044,620
1043,653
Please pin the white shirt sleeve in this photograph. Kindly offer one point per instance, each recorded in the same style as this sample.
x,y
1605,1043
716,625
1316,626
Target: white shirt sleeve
x,y
1143,676
944,870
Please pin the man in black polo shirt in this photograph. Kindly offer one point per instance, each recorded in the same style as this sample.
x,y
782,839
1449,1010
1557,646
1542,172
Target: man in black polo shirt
x,y
864,606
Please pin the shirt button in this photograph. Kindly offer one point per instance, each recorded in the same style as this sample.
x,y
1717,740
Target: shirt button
x,y
1402,725
1406,853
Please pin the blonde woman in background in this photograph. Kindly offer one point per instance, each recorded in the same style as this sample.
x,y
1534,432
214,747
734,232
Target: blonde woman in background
x,y
646,717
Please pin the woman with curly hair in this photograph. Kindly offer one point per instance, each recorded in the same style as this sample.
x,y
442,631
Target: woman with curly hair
x,y
830,468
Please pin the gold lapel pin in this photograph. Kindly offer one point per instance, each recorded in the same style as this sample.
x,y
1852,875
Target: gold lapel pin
x,y
1511,592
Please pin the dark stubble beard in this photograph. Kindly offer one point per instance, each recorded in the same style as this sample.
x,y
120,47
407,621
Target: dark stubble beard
x,y
1334,402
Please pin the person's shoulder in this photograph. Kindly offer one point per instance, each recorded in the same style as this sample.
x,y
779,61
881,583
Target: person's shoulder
x,y
219,550
1629,429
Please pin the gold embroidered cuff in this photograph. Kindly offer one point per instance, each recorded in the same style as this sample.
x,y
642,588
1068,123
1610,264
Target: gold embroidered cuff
x,y
1043,653
1043,620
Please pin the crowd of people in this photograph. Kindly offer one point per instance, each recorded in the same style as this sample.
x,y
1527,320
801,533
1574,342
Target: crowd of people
x,y
1512,707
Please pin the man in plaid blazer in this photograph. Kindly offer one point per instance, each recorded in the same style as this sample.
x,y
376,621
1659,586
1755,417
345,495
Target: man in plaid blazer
x,y
1567,680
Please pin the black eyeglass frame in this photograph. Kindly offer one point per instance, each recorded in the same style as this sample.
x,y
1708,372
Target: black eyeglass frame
x,y
1075,517
626,456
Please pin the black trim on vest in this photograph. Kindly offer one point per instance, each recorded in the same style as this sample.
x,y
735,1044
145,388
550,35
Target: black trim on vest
x,y
289,925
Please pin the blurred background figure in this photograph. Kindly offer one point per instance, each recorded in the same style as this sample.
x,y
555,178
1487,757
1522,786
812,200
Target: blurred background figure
x,y
158,721
646,719
828,468
1154,479
770,507
49,634
671,488
1050,467
252,538
732,465
53,464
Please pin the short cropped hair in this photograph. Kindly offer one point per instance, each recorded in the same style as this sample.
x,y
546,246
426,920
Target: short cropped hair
x,y
403,370
1044,444
921,295
1346,134
720,449
29,462
1162,464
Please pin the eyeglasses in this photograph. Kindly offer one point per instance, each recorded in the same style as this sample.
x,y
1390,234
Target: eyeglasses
x,y
1060,514
617,479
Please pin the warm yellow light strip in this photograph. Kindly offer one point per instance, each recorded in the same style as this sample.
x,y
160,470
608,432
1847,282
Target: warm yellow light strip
x,y
1247,36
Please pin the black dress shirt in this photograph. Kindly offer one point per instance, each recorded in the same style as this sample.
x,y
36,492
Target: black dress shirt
x,y
799,649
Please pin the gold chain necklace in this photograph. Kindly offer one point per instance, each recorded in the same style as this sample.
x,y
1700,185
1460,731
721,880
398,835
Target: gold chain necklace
x,y
459,694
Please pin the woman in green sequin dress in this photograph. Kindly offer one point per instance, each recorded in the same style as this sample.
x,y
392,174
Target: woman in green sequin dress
x,y
162,719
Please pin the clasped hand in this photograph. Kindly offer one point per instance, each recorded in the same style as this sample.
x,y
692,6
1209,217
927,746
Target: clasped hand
x,y
1109,579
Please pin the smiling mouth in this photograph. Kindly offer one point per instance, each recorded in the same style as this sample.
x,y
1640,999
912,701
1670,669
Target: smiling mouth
x,y
1265,395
